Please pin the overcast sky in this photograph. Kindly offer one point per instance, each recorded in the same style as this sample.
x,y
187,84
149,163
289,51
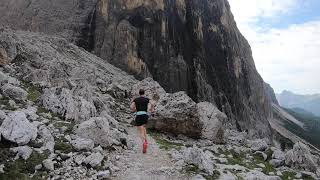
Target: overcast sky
x,y
285,39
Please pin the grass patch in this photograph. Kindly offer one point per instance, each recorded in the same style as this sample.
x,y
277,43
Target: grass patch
x,y
21,169
5,101
62,145
288,175
163,143
193,169
34,92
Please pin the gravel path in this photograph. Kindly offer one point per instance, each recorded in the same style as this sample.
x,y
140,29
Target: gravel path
x,y
155,164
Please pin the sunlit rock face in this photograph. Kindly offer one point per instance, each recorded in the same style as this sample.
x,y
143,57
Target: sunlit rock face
x,y
189,45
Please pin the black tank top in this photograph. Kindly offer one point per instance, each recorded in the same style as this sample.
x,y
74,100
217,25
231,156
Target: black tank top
x,y
141,103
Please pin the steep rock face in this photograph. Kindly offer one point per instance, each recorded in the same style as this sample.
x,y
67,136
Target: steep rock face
x,y
270,94
187,45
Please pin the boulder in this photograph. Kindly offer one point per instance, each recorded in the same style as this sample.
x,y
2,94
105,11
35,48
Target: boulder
x,y
212,122
22,151
80,144
301,158
276,162
259,145
48,164
98,130
62,101
278,154
196,156
14,92
94,159
46,138
178,114
16,128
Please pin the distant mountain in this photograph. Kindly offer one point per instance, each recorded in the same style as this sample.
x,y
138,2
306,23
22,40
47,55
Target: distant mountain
x,y
309,103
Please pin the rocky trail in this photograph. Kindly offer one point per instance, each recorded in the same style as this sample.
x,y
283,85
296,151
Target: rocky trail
x,y
155,164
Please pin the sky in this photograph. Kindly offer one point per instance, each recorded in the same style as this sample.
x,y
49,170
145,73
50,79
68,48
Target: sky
x,y
285,39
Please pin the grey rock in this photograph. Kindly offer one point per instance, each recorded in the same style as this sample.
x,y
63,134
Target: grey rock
x,y
99,131
178,114
38,167
259,145
2,116
79,159
80,144
98,149
278,154
197,157
16,128
47,138
94,159
1,168
103,174
48,164
300,157
14,92
62,101
22,151
276,162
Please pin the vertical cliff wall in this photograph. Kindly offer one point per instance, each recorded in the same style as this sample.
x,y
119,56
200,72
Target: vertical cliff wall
x,y
189,45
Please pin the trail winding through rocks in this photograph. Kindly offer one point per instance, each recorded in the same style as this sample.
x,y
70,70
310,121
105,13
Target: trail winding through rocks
x,y
155,164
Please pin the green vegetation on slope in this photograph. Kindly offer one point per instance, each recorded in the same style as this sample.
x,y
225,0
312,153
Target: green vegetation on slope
x,y
312,126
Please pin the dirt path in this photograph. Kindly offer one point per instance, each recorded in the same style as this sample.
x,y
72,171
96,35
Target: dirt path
x,y
155,165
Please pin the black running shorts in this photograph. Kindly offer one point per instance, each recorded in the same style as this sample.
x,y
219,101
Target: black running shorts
x,y
141,120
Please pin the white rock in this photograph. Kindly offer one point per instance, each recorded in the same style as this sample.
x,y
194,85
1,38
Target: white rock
x,y
99,131
279,173
22,151
103,174
63,101
1,168
300,157
98,149
259,145
16,128
2,116
82,144
48,164
278,154
197,157
79,159
261,165
38,167
31,113
47,138
14,92
94,159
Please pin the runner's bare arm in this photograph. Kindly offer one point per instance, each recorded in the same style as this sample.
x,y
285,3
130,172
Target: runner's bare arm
x,y
133,107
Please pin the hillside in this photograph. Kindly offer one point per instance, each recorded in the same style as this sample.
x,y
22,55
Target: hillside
x,y
311,129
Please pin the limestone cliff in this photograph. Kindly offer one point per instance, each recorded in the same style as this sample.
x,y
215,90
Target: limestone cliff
x,y
190,45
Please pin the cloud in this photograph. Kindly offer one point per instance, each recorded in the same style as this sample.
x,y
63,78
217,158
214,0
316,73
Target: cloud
x,y
288,58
